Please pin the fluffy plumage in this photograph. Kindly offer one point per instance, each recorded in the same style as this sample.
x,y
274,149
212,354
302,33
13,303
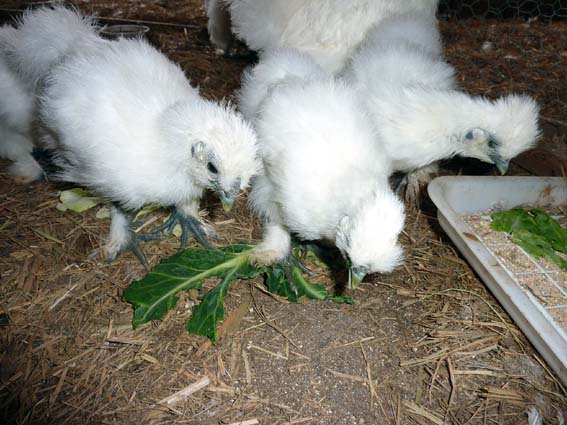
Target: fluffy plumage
x,y
401,51
42,38
411,95
16,114
325,177
278,66
128,125
327,30
420,126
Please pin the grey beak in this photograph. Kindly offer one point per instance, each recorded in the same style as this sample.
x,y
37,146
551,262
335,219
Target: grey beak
x,y
227,200
502,166
227,196
355,276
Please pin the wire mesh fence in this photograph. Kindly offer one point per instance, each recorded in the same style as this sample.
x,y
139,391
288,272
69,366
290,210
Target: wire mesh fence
x,y
504,9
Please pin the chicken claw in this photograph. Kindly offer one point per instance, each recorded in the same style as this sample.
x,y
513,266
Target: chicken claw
x,y
189,225
124,237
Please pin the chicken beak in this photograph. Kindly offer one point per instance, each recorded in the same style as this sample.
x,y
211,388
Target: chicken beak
x,y
502,166
355,276
227,196
226,200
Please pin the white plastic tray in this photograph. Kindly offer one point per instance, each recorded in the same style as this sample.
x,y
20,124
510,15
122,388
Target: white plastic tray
x,y
459,196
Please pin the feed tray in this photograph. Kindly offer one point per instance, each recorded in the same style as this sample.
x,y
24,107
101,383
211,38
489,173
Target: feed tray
x,y
533,292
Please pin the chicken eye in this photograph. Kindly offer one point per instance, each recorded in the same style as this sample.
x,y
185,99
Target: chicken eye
x,y
212,168
492,144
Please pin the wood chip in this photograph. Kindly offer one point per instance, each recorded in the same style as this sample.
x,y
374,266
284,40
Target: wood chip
x,y
271,353
46,235
123,340
420,411
247,367
62,297
444,352
503,394
57,390
300,421
182,395
248,422
349,377
368,338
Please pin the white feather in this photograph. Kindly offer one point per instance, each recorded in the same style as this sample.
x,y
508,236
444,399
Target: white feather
x,y
401,51
327,30
129,126
16,113
277,66
42,38
321,165
420,126
45,36
410,92
534,416
410,26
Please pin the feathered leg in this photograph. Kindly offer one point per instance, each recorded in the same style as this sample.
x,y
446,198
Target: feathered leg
x,y
123,237
399,182
408,186
275,246
219,24
417,179
26,170
18,147
276,243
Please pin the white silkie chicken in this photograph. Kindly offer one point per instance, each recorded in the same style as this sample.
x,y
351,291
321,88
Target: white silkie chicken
x,y
284,65
410,92
127,124
42,38
327,30
16,114
325,177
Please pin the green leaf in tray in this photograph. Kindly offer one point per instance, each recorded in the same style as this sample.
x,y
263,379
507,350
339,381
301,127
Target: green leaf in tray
x,y
538,246
535,231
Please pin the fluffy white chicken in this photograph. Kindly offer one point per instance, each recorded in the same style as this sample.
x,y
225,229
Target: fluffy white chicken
x,y
278,66
127,124
16,113
328,30
401,51
325,177
410,92
42,38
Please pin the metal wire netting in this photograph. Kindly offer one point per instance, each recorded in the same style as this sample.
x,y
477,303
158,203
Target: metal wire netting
x,y
504,9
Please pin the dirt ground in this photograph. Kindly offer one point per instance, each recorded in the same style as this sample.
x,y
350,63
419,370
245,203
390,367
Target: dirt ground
x,y
425,344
